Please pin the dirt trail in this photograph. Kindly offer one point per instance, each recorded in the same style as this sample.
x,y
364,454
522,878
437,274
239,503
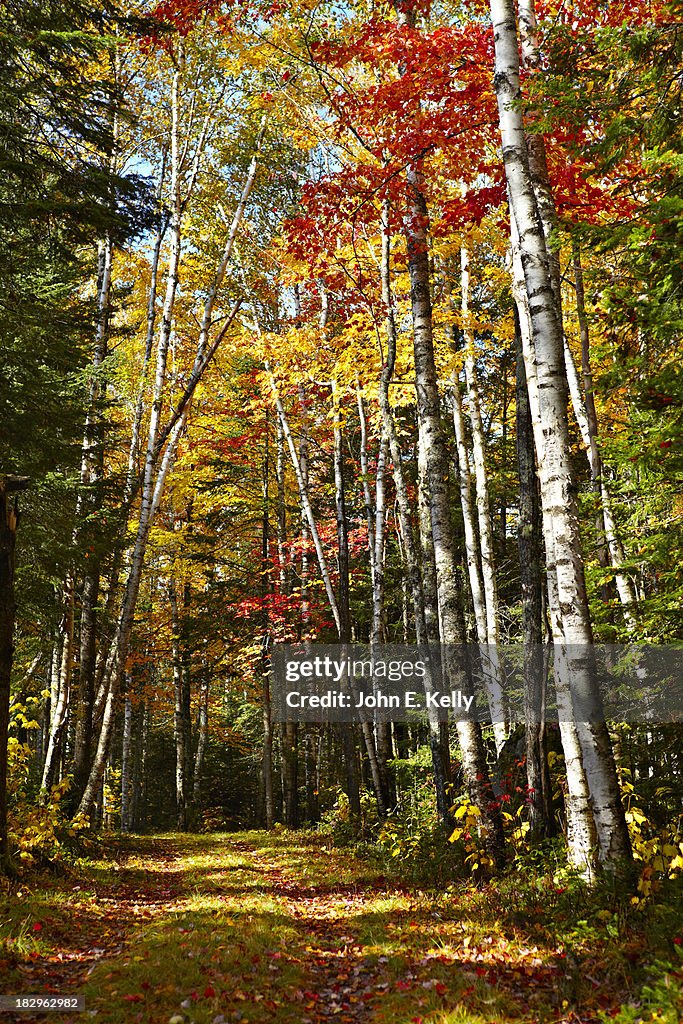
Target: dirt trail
x,y
342,980
281,928
100,922
149,883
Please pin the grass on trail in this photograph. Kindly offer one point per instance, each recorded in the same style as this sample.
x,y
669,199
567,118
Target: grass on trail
x,y
281,928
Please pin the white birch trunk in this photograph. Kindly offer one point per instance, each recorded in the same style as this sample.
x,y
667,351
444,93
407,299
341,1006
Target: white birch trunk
x,y
202,738
541,182
92,457
59,706
281,508
375,515
493,673
471,540
149,344
304,498
126,764
557,490
432,444
412,555
155,472
581,839
625,588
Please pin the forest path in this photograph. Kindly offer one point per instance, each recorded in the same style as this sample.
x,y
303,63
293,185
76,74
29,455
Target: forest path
x,y
281,928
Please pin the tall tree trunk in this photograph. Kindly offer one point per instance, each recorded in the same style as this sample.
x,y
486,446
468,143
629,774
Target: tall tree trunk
x,y
267,755
505,406
440,757
471,540
141,792
290,772
156,464
283,578
86,681
59,706
531,578
92,461
592,450
424,619
344,592
312,745
151,319
9,520
557,491
375,515
289,732
581,837
432,443
90,496
342,522
430,588
53,680
202,737
493,673
126,762
608,530
182,716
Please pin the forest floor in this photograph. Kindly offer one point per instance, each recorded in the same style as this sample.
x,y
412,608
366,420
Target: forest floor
x,y
282,928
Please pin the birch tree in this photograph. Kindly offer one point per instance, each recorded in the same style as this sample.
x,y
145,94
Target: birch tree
x,y
557,491
433,450
492,668
162,439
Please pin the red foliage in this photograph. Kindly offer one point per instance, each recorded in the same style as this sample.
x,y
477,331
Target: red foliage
x,y
183,15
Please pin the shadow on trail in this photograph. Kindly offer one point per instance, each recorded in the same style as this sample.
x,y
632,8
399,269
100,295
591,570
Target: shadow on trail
x,y
77,923
217,930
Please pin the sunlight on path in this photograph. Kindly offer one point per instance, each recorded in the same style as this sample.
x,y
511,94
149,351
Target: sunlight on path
x,y
279,928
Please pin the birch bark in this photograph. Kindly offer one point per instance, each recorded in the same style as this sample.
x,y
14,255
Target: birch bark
x,y
126,765
266,583
410,544
181,715
625,588
344,594
581,839
118,651
557,484
493,672
59,706
433,449
375,514
202,736
91,471
466,504
157,465
530,561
